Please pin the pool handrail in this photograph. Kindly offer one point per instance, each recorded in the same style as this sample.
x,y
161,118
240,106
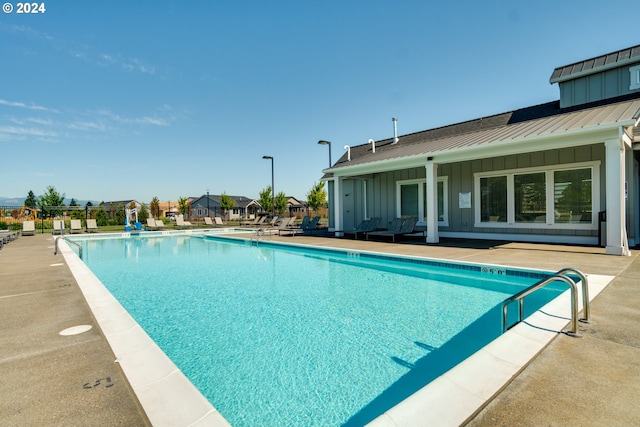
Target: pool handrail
x,y
520,298
585,291
66,239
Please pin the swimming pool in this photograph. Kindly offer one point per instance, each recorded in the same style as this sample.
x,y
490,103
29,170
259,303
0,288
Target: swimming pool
x,y
293,336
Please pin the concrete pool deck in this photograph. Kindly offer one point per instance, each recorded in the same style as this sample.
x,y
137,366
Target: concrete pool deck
x,y
50,379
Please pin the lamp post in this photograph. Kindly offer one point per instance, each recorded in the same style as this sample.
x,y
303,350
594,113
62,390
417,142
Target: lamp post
x,y
208,203
323,142
273,190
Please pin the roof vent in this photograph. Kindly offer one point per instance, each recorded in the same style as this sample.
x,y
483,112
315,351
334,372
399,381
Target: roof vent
x,y
346,147
373,145
395,129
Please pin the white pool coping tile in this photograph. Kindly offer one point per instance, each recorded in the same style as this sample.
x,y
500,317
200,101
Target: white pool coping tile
x,y
170,399
165,393
457,395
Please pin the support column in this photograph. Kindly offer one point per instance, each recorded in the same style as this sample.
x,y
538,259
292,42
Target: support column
x,y
432,202
337,206
615,198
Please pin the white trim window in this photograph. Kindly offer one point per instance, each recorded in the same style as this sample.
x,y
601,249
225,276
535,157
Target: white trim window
x,y
411,197
634,77
565,196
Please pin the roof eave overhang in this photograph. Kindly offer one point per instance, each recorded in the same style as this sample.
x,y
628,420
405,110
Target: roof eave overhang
x,y
600,69
568,138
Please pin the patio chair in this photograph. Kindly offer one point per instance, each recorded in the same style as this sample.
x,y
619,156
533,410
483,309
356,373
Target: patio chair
x,y
159,224
58,226
304,228
406,227
365,227
208,221
218,221
394,227
151,224
92,226
285,224
28,228
76,226
181,223
6,236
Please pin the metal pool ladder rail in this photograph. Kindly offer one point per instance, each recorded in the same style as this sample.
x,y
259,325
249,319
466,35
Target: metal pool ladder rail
x,y
561,275
70,241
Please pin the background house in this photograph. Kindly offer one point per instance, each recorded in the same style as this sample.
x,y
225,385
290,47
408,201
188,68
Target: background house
x,y
204,206
545,173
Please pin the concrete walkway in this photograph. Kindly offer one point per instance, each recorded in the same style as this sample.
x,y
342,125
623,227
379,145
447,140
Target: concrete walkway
x,y
48,379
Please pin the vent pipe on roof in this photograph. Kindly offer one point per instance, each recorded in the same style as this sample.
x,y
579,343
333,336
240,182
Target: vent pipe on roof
x,y
346,147
373,145
395,130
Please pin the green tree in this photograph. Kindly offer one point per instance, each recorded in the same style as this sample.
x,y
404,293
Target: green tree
x,y
154,207
101,216
266,199
281,203
226,204
183,206
143,214
75,213
31,201
119,214
317,196
51,203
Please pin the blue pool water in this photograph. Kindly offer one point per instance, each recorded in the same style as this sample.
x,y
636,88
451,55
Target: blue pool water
x,y
284,336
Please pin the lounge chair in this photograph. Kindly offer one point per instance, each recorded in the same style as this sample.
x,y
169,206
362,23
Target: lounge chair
x,y
407,226
285,225
257,222
159,224
151,224
181,223
304,228
58,226
28,228
207,220
218,221
92,226
6,236
76,226
394,227
364,227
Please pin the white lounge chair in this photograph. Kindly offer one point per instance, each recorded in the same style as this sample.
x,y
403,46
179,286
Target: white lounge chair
x,y
28,228
58,226
151,224
92,226
218,220
208,221
159,224
76,226
181,223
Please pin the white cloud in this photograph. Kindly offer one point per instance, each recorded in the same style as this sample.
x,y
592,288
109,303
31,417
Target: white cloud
x,y
25,131
128,64
27,106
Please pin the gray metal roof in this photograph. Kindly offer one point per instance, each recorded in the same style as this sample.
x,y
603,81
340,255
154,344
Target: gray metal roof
x,y
596,65
525,124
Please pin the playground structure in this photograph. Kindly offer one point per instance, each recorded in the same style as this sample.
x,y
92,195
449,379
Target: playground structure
x,y
132,214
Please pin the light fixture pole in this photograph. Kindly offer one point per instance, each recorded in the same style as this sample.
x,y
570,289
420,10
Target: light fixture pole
x,y
273,190
208,214
323,142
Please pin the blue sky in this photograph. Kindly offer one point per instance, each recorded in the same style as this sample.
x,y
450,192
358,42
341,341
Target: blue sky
x,y
113,100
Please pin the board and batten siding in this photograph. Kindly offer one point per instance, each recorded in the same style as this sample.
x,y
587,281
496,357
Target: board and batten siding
x,y
595,87
381,187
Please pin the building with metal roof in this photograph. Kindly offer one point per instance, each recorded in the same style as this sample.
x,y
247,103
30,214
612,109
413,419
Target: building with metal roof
x,y
544,173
